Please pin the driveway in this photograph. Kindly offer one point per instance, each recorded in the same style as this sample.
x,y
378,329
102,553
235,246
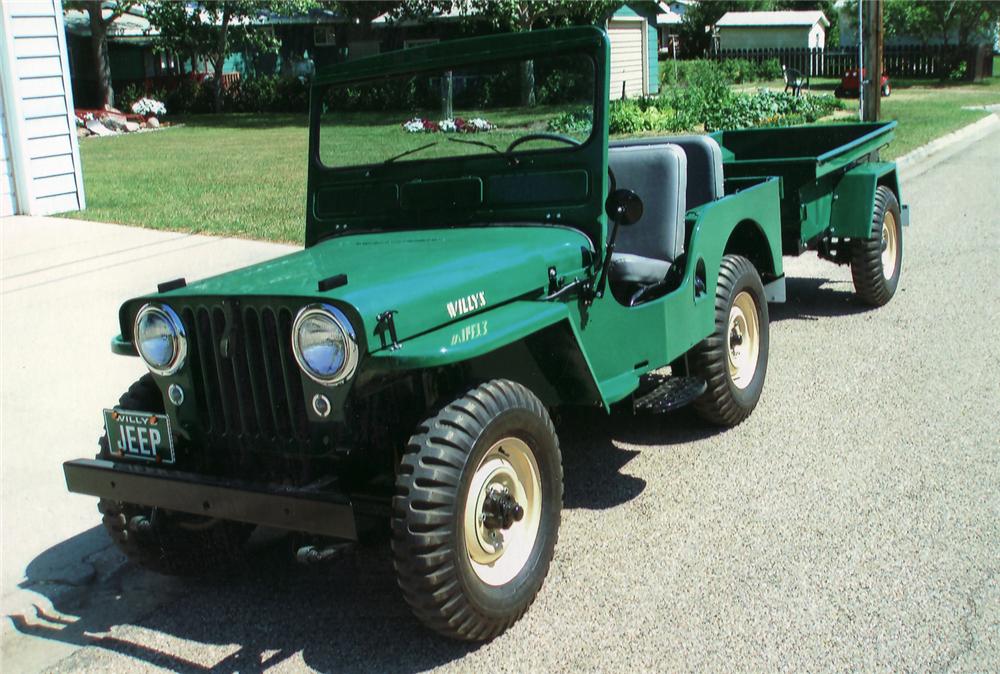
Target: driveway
x,y
851,523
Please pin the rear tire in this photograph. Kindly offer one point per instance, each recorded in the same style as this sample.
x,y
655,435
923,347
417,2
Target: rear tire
x,y
173,544
886,90
464,575
876,263
733,359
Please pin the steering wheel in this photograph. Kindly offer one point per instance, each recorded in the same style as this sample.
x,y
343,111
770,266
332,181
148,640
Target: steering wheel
x,y
543,136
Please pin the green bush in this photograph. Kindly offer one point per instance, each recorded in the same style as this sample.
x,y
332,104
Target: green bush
x,y
574,121
190,96
732,71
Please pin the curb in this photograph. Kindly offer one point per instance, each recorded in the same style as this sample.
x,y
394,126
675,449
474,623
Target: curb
x,y
935,149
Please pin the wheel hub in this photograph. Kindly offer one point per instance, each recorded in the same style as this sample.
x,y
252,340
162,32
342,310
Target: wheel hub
x,y
500,510
744,340
889,245
503,511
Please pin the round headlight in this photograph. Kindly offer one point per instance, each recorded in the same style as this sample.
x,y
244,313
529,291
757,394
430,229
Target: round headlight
x,y
159,338
324,344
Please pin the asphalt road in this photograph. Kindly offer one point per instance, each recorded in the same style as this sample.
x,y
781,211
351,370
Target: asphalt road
x,y
853,522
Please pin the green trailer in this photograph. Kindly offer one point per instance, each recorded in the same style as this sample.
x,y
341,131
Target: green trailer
x,y
462,277
834,191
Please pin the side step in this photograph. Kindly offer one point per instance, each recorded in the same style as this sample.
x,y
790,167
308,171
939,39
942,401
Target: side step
x,y
671,394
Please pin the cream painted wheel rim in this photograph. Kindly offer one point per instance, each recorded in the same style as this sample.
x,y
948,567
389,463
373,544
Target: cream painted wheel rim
x,y
743,340
498,555
890,245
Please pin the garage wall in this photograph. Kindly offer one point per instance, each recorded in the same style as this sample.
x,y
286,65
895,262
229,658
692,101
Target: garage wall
x,y
38,108
628,54
8,202
628,57
764,37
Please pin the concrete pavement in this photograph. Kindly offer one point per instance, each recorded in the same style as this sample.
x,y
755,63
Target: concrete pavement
x,y
851,523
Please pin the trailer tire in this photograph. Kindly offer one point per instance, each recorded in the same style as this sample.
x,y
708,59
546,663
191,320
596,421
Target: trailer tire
x,y
876,262
173,544
496,441
733,370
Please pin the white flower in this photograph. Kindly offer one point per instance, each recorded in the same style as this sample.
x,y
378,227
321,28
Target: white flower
x,y
149,106
447,125
415,125
480,124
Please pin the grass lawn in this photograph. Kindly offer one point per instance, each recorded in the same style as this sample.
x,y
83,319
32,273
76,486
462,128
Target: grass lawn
x,y
245,175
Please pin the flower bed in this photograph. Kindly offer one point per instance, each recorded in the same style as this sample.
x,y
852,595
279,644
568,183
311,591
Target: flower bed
x,y
453,125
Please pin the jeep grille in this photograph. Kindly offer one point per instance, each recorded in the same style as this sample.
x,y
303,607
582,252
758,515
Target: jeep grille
x,y
250,388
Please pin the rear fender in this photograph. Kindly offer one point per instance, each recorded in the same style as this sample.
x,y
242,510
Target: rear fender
x,y
854,199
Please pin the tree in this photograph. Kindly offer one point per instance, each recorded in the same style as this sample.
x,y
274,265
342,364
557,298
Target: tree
x,y
525,15
955,24
99,26
217,28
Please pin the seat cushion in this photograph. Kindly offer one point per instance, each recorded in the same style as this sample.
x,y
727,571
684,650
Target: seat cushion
x,y
658,174
629,268
704,165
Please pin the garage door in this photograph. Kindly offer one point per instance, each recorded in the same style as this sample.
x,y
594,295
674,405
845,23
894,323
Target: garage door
x,y
628,57
7,200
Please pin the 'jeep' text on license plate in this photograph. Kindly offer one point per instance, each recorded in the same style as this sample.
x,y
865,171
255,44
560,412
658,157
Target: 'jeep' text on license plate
x,y
139,435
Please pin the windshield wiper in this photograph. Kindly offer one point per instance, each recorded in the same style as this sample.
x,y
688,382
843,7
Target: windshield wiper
x,y
409,152
480,143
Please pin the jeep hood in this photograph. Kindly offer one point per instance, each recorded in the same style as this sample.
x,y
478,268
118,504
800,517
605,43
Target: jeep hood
x,y
429,277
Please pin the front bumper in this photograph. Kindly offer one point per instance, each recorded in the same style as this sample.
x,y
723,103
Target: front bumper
x,y
267,505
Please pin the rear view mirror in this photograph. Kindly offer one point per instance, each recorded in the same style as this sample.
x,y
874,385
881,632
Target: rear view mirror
x,y
624,207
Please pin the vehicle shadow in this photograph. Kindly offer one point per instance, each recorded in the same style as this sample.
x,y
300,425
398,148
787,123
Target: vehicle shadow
x,y
811,299
347,615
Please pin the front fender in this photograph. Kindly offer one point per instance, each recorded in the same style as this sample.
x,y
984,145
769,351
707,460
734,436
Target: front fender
x,y
528,341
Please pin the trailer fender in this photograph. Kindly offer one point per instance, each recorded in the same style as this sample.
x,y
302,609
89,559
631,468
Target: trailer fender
x,y
854,199
530,342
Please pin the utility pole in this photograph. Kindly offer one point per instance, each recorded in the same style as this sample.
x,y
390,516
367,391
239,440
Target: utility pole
x,y
871,83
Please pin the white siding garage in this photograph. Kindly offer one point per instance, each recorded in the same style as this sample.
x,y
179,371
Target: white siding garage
x,y
8,204
629,51
40,152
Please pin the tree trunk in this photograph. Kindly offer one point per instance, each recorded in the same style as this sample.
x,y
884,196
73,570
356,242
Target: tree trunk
x,y
99,55
525,20
220,59
528,83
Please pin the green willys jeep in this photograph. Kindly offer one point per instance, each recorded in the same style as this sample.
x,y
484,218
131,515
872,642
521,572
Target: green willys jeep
x,y
461,278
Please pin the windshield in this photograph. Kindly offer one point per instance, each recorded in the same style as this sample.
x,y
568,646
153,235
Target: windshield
x,y
545,103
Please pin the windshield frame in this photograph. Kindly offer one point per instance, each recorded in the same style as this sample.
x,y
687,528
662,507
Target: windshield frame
x,y
585,213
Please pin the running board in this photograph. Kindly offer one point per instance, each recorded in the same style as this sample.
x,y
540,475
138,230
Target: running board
x,y
672,394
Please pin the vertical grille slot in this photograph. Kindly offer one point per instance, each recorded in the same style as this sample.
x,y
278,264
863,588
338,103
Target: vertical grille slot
x,y
250,389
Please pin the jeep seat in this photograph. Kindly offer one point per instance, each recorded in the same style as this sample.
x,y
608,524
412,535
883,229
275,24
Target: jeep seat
x,y
704,164
657,172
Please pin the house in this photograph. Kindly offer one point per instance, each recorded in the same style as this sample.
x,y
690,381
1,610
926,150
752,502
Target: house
x,y
772,30
669,17
316,37
632,31
39,156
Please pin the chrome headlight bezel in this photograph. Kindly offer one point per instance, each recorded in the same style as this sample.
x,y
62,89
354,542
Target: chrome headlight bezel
x,y
351,353
178,338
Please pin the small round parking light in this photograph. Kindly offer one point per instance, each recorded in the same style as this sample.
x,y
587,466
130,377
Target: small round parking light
x,y
321,405
176,394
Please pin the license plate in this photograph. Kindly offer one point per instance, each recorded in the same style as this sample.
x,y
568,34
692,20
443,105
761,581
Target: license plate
x,y
139,435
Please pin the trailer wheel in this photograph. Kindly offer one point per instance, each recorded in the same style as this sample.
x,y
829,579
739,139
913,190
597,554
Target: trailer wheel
x,y
173,544
876,263
733,359
476,512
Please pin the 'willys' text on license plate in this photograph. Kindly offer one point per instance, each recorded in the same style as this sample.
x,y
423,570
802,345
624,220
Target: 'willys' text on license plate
x,y
139,435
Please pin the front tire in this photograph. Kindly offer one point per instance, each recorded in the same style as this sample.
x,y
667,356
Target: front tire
x,y
876,263
733,359
173,544
476,513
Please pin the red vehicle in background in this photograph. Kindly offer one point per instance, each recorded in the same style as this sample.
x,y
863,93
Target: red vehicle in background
x,y
849,84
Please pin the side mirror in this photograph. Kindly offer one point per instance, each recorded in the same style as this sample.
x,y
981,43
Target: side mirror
x,y
624,207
